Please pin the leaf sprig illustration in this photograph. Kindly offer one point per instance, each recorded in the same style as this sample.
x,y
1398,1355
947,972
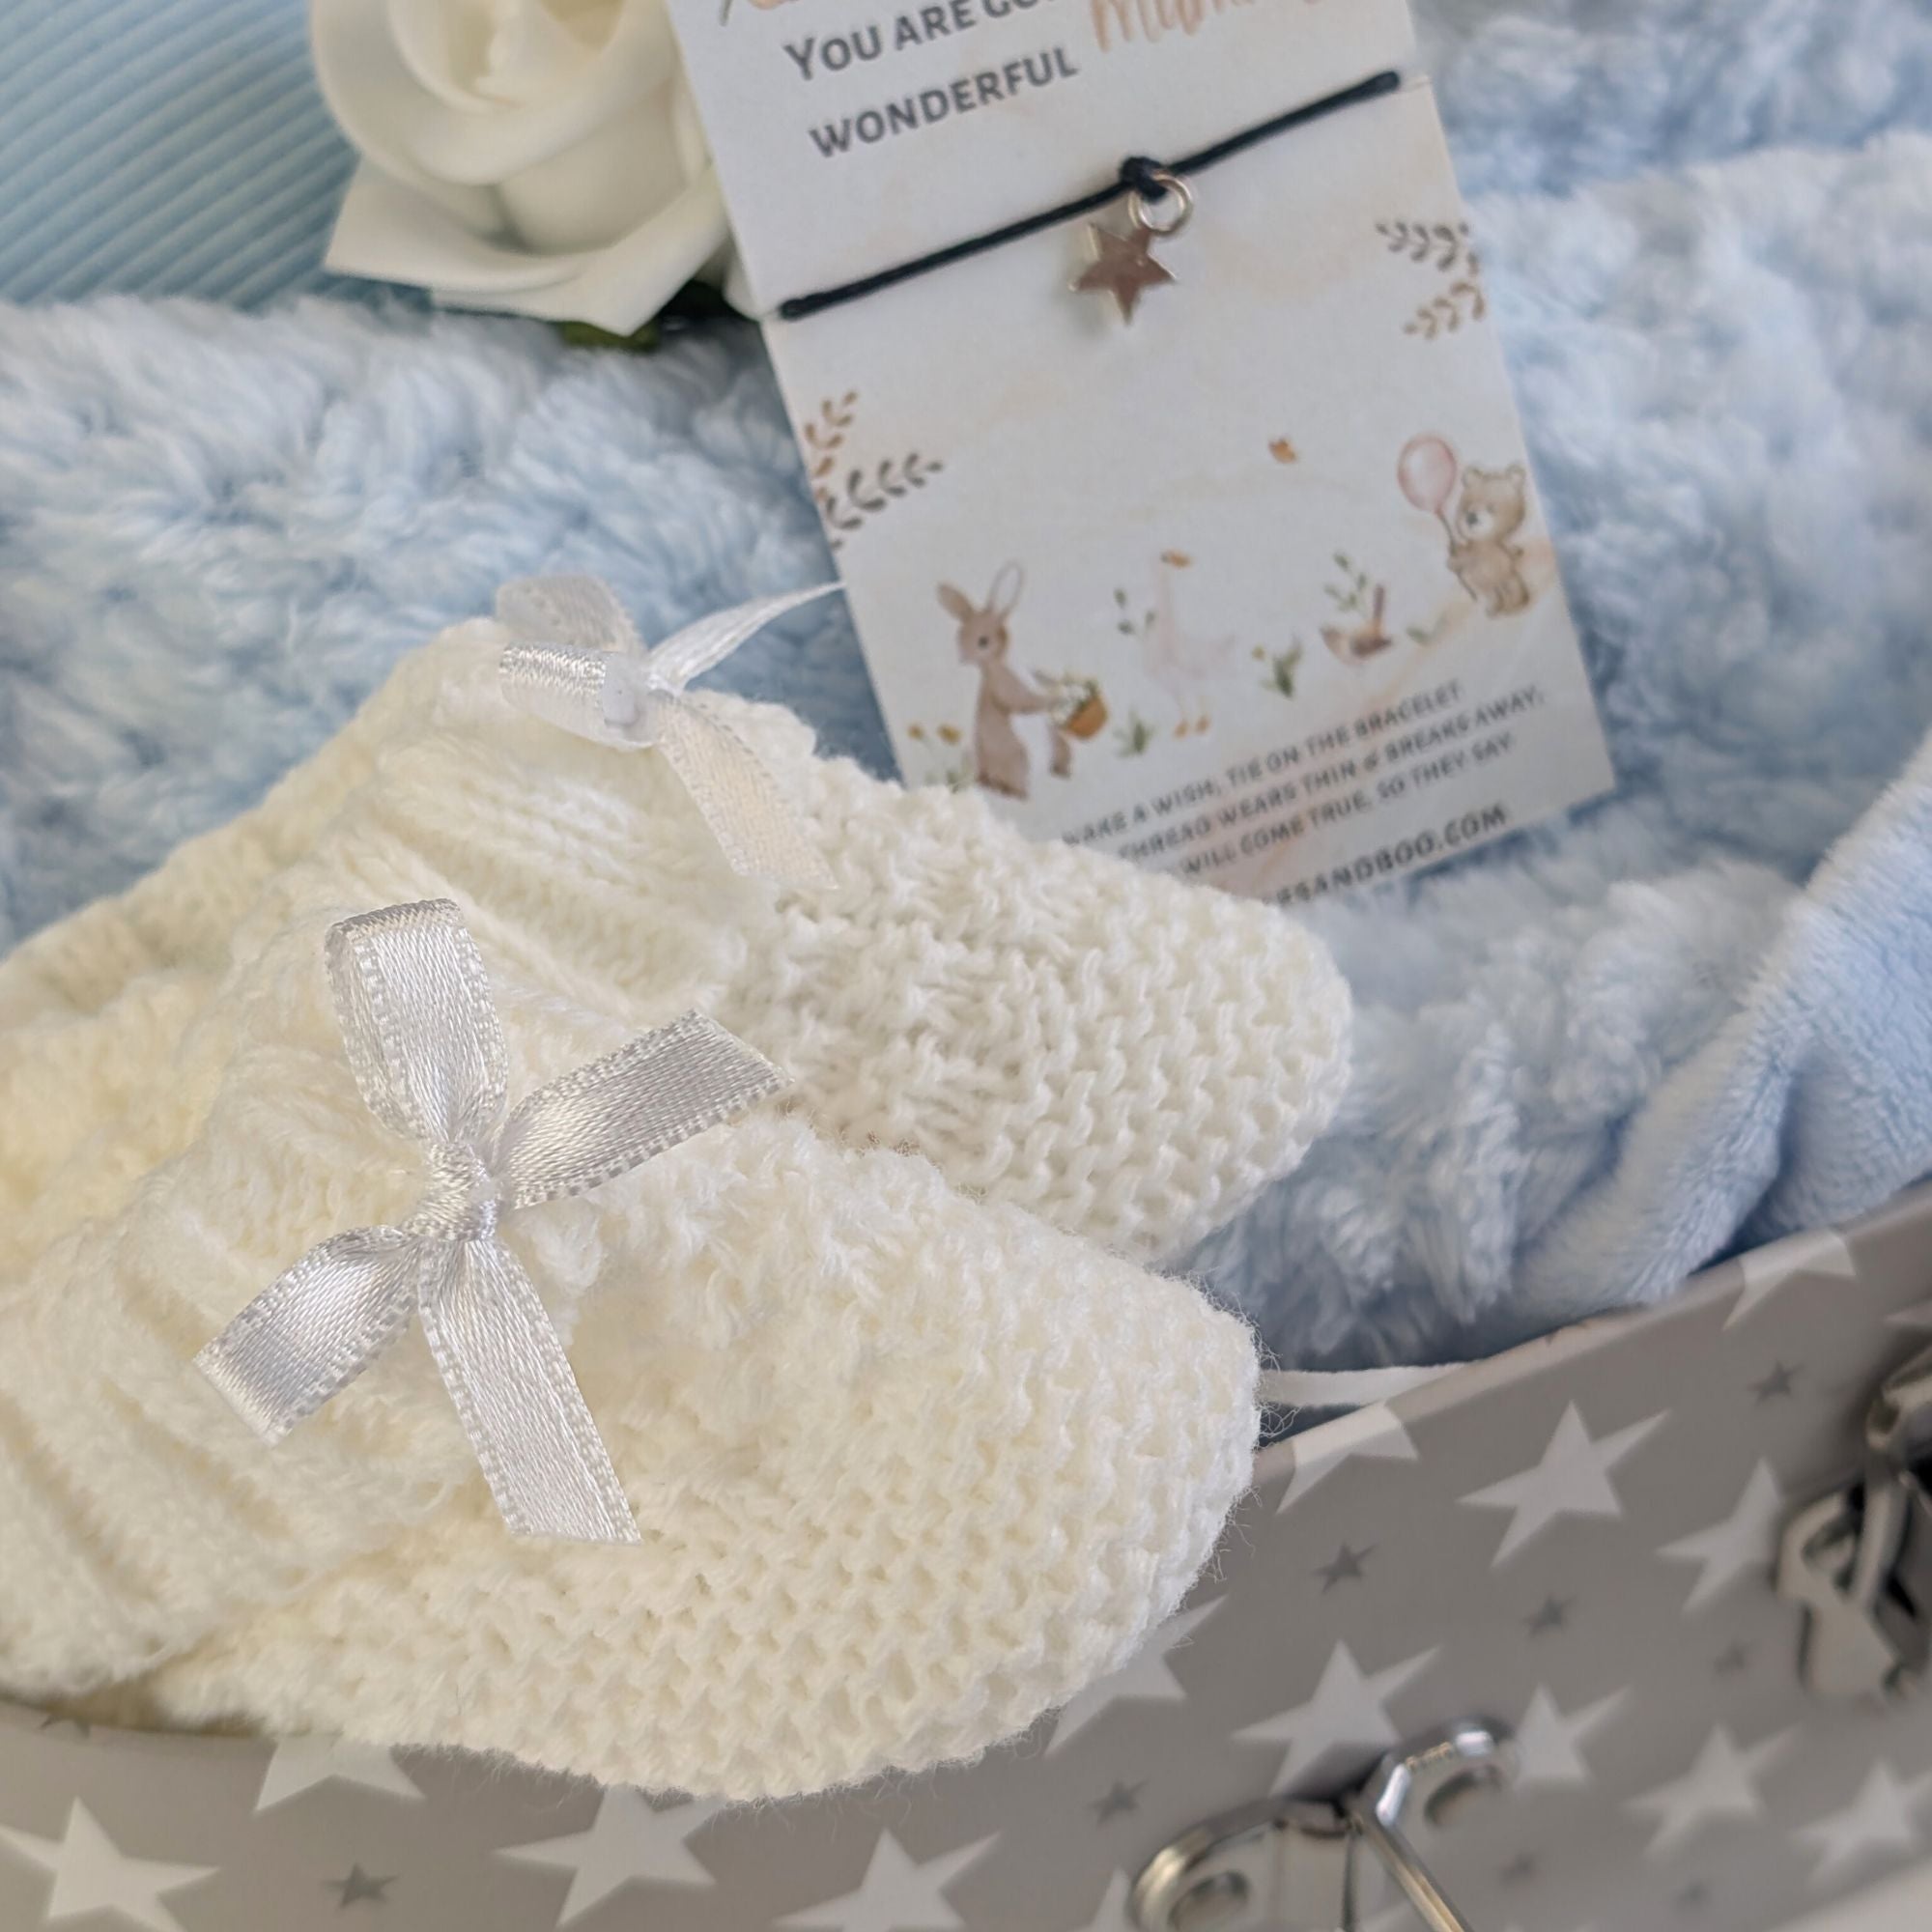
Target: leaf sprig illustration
x,y
825,434
1354,600
1282,668
1447,313
866,489
1443,249
1438,244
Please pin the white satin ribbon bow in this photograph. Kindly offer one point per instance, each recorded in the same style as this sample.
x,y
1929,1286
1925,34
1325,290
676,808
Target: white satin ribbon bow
x,y
427,1051
579,662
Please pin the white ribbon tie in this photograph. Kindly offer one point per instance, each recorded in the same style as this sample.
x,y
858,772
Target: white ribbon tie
x,y
579,662
427,1050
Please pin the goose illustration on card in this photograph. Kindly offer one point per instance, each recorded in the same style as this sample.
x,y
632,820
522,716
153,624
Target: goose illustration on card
x,y
1195,525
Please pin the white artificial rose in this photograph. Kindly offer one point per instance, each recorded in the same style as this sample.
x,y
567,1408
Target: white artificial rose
x,y
541,156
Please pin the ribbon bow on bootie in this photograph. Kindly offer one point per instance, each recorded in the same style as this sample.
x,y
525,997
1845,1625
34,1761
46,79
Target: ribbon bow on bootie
x,y
579,662
427,1051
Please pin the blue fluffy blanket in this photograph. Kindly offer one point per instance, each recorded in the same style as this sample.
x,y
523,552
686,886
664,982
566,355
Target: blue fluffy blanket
x,y
1590,1058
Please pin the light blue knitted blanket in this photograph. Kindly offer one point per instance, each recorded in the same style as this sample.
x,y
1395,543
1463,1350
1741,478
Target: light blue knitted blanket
x,y
1590,1058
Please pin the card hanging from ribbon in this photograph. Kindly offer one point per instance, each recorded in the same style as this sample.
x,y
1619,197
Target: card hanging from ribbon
x,y
427,1051
579,662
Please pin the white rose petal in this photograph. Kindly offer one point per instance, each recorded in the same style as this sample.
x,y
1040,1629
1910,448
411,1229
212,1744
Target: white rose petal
x,y
540,156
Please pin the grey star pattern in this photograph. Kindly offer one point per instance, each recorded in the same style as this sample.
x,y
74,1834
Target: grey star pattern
x,y
1744,1542
1346,1566
1723,1785
1346,1711
92,1872
1676,1777
1766,1272
301,1764
1552,1615
1782,1380
1884,1822
359,1889
1120,1801
1574,1478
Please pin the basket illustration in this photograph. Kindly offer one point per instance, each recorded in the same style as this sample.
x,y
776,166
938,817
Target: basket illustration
x,y
1083,710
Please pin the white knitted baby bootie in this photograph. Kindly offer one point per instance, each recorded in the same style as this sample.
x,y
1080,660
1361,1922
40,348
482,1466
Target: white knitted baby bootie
x,y
904,1470
1129,1057
1123,1056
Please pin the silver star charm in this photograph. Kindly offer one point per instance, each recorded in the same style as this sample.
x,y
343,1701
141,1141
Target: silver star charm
x,y
1122,267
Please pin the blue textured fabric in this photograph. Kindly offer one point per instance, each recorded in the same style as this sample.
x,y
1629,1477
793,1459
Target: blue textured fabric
x,y
179,147
162,147
1589,1058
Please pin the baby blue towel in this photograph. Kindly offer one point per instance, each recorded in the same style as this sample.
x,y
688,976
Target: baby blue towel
x,y
1589,1058
1814,1101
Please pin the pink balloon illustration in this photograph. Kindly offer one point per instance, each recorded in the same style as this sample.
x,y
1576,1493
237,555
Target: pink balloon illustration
x,y
1426,470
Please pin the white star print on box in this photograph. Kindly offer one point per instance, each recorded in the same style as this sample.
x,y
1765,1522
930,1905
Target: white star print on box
x,y
1722,1785
627,1842
1882,1818
1573,1478
1742,1542
1767,1269
1346,1712
300,1764
1549,1747
1375,1432
895,1895
1149,1677
92,1874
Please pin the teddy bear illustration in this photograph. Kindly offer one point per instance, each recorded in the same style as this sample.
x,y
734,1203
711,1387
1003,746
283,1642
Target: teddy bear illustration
x,y
1491,509
1494,507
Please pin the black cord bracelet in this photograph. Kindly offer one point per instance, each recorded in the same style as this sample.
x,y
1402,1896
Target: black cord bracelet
x,y
1138,176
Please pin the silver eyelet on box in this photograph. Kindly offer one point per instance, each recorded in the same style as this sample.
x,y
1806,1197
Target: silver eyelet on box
x,y
1296,1865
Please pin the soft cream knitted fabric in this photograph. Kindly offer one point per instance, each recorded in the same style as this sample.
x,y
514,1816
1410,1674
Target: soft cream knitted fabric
x,y
909,1472
908,1468
1129,1057
1054,1030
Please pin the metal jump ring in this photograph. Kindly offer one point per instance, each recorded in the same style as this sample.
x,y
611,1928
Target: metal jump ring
x,y
1139,214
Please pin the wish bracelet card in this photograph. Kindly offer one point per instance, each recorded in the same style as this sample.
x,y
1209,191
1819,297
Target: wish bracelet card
x,y
1196,524
852,133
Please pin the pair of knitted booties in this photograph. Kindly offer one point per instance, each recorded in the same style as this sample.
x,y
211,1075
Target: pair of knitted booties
x,y
905,1443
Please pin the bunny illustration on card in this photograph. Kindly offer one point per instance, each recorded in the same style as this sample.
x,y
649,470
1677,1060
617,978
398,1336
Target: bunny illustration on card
x,y
1000,761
